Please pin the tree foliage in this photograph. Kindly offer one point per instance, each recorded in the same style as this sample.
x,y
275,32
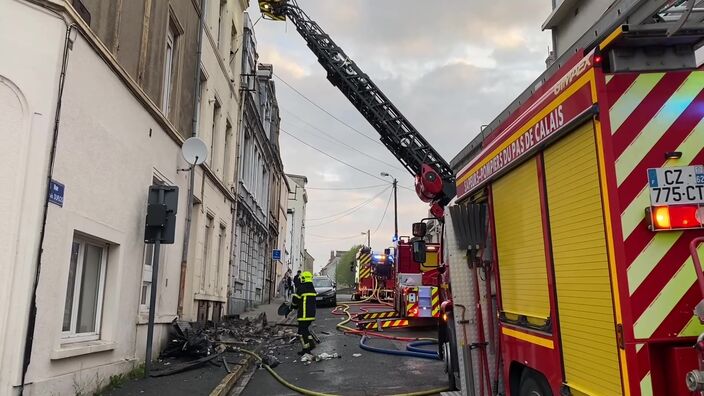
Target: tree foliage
x,y
343,275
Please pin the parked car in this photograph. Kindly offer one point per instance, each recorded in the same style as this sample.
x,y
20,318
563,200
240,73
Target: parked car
x,y
326,290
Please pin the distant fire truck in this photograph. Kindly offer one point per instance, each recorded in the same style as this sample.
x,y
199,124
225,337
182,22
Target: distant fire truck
x,y
416,287
363,274
411,285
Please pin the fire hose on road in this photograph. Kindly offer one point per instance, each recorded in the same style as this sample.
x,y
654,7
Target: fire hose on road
x,y
413,350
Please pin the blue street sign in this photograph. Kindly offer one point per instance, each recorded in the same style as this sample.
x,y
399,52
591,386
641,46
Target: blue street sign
x,y
276,254
56,193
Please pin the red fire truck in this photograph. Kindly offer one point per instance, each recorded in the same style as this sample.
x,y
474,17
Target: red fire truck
x,y
416,287
410,284
579,206
363,274
374,275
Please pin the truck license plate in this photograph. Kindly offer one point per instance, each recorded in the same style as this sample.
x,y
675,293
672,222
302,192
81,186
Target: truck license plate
x,y
676,185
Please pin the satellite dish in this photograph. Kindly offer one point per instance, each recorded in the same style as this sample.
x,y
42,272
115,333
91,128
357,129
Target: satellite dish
x,y
194,151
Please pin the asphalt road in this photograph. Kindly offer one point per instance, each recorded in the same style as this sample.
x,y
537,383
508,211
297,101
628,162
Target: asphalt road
x,y
369,374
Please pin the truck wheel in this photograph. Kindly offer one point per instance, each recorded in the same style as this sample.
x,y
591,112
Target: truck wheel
x,y
533,384
449,353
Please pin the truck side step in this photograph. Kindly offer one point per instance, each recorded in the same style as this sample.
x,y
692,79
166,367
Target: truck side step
x,y
378,315
381,324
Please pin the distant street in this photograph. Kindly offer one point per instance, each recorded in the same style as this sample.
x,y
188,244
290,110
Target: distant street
x,y
368,374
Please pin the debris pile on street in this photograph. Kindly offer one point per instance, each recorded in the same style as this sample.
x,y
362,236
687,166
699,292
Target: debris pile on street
x,y
193,344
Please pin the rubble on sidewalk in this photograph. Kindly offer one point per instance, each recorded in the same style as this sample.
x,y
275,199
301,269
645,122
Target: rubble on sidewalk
x,y
193,344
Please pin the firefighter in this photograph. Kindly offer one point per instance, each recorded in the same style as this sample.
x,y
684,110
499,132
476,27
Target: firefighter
x,y
304,302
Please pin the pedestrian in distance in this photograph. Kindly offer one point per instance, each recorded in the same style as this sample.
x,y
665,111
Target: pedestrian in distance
x,y
303,302
297,280
289,285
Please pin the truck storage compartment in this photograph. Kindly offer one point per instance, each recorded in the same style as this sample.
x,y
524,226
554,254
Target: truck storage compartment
x,y
520,246
582,280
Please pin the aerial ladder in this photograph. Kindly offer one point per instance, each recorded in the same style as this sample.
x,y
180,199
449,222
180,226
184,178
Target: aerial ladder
x,y
434,178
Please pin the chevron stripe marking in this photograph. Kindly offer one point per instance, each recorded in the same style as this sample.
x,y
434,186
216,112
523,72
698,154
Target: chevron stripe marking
x,y
634,95
649,258
692,329
646,385
656,127
663,304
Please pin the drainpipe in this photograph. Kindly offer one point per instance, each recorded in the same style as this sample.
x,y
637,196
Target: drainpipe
x,y
192,173
69,39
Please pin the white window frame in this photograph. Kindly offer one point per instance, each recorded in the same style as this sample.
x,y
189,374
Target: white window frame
x,y
169,52
71,335
147,265
207,253
221,254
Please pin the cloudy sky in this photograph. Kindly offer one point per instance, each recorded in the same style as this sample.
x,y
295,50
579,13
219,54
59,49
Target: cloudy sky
x,y
449,65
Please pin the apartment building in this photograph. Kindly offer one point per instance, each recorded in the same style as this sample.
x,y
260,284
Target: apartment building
x,y
210,246
281,265
96,102
296,221
256,230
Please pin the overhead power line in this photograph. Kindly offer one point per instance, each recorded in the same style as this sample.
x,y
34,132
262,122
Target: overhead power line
x,y
339,160
339,238
386,209
325,111
346,188
343,143
347,211
336,238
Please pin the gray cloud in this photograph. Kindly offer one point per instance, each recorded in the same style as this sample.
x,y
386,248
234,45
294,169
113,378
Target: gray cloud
x,y
449,66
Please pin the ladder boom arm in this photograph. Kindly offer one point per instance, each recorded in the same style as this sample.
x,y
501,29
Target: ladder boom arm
x,y
396,133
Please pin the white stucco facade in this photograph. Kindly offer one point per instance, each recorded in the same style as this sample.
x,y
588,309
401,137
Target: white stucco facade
x,y
211,241
282,241
297,201
112,143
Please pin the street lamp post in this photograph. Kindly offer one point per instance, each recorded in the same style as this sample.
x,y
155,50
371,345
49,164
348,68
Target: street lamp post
x,y
395,186
368,234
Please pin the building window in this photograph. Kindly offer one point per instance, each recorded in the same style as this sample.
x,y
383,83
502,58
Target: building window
x,y
84,294
244,167
202,98
206,250
228,152
233,47
221,256
221,14
170,58
214,133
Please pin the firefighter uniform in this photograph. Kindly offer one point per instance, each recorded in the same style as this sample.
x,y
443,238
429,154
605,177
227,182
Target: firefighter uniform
x,y
304,302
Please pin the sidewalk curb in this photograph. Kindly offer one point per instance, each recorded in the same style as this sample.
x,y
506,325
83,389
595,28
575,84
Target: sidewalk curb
x,y
230,380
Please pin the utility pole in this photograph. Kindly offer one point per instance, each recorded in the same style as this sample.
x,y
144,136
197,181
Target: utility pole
x,y
369,236
395,187
395,210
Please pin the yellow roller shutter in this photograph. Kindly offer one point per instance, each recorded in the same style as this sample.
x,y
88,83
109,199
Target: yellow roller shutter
x,y
519,240
581,267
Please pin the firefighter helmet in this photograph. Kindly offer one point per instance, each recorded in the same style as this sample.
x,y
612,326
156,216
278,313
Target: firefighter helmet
x,y
306,277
